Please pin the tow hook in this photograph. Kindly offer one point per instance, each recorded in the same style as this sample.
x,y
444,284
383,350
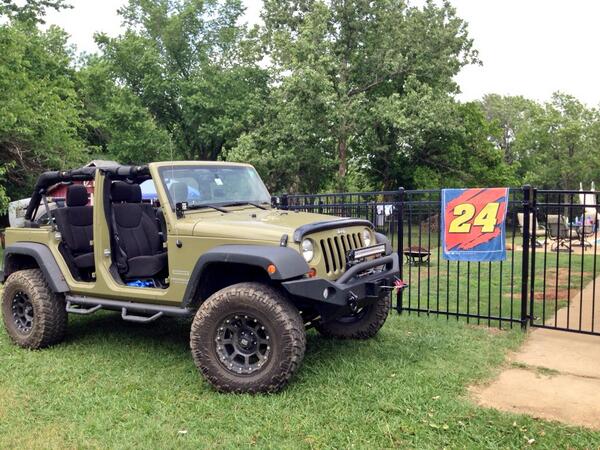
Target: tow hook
x,y
353,302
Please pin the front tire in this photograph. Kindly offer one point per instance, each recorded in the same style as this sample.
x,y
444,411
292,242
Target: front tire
x,y
34,316
364,324
247,338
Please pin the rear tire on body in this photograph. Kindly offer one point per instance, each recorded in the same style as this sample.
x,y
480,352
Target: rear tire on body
x,y
248,338
34,316
364,324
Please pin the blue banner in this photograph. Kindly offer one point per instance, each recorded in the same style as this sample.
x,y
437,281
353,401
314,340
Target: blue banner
x,y
474,224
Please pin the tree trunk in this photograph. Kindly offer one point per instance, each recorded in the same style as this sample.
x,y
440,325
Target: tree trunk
x,y
342,154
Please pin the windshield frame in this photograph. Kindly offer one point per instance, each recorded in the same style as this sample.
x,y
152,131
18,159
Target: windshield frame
x,y
163,170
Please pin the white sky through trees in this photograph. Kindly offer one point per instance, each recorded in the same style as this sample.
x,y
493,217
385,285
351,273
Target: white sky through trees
x,y
528,47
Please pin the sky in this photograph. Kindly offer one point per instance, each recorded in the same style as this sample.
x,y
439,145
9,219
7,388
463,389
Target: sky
x,y
528,47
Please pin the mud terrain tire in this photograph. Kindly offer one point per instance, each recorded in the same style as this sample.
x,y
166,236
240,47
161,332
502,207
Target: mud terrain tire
x,y
34,316
363,325
247,338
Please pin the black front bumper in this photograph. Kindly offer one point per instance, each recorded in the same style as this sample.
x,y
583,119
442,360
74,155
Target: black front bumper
x,y
358,286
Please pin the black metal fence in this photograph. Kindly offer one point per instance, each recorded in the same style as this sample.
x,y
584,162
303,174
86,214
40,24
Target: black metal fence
x,y
549,260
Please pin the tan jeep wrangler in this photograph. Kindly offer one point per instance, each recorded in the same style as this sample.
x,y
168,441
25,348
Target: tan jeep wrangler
x,y
208,245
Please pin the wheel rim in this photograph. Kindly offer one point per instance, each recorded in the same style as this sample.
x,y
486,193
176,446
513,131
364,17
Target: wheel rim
x,y
22,310
243,344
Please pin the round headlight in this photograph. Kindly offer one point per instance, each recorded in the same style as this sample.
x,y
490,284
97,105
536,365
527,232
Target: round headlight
x,y
366,237
308,250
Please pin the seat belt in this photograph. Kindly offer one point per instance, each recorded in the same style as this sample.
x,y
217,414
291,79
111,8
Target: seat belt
x,y
121,259
160,216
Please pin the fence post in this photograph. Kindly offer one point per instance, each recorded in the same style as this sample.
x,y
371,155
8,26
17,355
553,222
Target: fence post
x,y
533,240
399,206
284,201
525,261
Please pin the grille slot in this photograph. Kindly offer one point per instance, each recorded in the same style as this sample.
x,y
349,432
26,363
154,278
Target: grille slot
x,y
334,251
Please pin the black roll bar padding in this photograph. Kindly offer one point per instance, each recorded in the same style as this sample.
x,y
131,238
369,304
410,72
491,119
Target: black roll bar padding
x,y
51,178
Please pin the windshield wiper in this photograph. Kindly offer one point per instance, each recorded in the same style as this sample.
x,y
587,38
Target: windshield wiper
x,y
207,206
256,205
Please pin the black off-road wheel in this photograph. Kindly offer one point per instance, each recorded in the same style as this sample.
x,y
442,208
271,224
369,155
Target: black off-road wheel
x,y
363,324
248,338
34,316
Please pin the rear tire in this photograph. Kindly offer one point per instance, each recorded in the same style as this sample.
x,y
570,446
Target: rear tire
x,y
34,316
364,324
247,338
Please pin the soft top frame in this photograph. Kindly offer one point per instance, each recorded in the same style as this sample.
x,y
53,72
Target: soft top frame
x,y
51,178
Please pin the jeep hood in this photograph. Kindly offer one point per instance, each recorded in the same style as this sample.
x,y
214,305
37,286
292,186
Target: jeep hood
x,y
248,223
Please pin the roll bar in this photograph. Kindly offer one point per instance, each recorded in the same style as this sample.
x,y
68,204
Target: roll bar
x,y
48,179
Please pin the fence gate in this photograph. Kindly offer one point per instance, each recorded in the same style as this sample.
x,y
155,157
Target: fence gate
x,y
547,280
564,256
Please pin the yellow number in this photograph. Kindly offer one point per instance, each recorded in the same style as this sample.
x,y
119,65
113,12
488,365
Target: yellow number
x,y
487,218
463,213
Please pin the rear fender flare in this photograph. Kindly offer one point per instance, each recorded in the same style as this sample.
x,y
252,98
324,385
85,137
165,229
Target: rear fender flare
x,y
44,259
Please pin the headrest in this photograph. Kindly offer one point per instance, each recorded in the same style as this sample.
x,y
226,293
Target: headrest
x,y
120,192
135,193
77,195
179,192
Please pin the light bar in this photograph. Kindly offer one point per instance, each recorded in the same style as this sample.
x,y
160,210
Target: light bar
x,y
368,251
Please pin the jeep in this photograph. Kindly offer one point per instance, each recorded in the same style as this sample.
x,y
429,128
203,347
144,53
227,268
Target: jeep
x,y
202,240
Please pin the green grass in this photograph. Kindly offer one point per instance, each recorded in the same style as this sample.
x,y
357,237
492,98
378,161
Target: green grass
x,y
114,384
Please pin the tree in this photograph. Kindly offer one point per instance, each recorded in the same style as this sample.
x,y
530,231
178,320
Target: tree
x,y
29,11
340,57
117,125
193,68
39,107
513,116
563,144
425,139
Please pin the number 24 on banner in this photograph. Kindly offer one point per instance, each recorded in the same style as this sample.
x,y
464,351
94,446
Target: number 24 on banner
x,y
473,222
487,219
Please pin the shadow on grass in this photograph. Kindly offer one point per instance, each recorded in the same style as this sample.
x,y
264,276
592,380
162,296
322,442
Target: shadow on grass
x,y
170,335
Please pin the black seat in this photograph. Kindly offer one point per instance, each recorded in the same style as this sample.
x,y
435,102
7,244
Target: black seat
x,y
75,223
157,217
137,235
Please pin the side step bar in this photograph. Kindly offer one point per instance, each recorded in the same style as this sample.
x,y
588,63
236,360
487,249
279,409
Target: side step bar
x,y
79,304
139,319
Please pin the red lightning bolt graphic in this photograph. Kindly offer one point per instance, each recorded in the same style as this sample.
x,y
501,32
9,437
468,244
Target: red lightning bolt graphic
x,y
479,198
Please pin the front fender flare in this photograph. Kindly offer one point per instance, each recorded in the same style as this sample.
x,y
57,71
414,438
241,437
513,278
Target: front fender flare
x,y
44,259
288,262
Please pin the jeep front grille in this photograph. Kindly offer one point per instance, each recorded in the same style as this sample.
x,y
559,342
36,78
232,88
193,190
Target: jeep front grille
x,y
334,251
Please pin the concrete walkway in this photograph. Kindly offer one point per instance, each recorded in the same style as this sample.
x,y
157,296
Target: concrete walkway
x,y
555,375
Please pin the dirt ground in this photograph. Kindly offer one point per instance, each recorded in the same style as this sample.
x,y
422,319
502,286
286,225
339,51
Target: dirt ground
x,y
555,375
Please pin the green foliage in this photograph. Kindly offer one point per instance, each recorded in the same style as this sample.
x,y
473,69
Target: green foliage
x,y
351,79
29,11
3,195
191,66
324,95
117,125
556,144
39,107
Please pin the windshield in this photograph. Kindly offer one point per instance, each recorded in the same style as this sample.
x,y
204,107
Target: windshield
x,y
213,185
